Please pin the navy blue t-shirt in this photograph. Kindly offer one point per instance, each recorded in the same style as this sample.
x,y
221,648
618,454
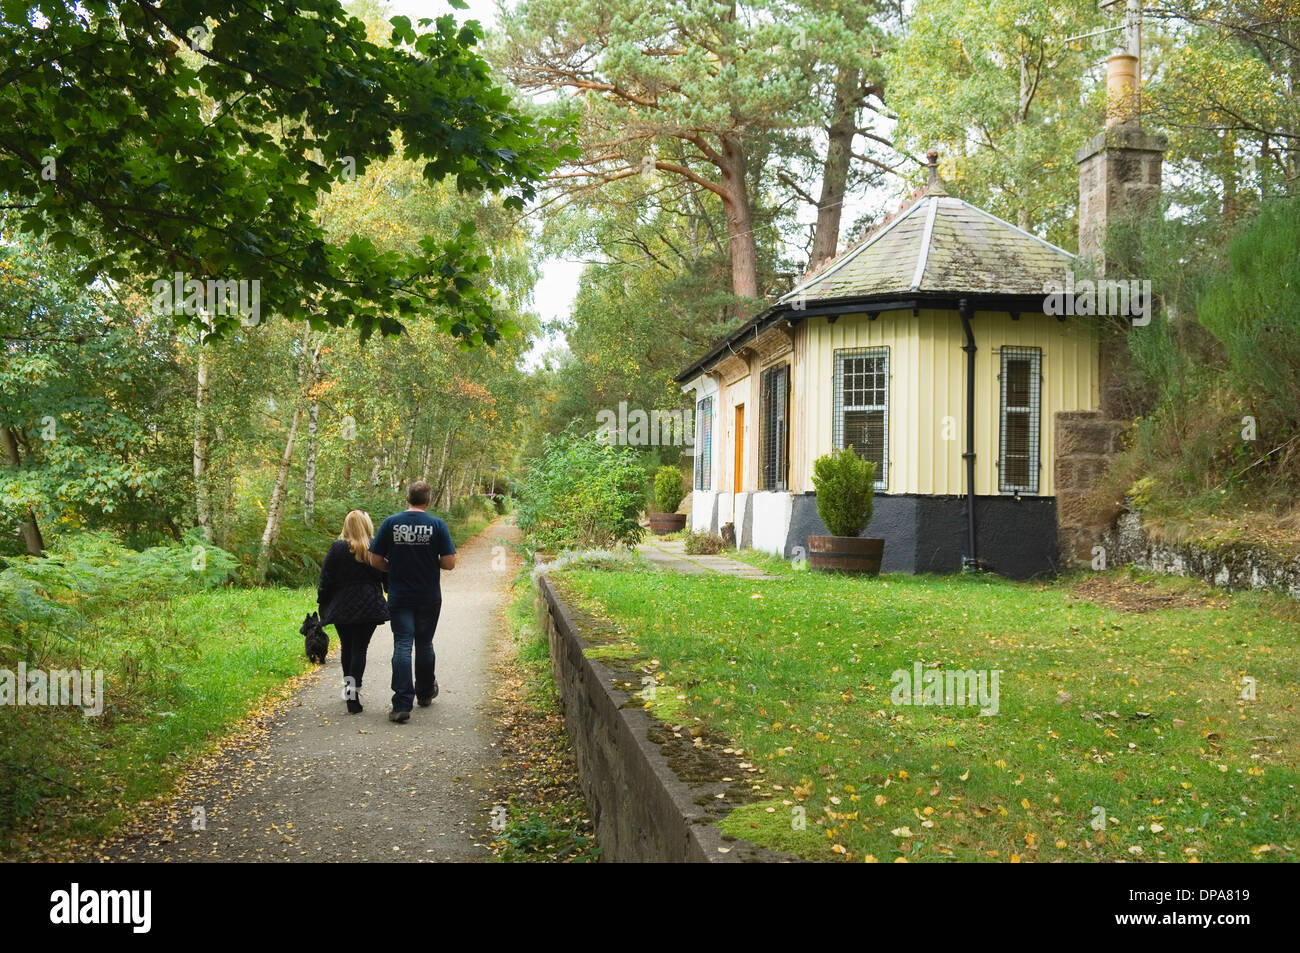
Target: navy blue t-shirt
x,y
412,542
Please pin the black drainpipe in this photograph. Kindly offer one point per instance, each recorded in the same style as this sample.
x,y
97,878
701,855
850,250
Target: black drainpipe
x,y
969,561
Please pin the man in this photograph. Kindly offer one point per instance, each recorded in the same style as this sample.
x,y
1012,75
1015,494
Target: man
x,y
412,547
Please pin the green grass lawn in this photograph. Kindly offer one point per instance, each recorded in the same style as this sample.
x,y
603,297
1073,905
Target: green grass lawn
x,y
1136,716
179,674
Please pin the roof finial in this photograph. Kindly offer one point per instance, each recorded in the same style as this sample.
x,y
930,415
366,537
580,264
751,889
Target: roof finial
x,y
934,185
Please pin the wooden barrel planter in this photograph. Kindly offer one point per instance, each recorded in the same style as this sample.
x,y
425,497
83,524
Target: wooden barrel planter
x,y
855,554
663,523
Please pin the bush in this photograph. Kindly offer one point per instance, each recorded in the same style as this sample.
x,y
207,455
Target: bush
x,y
1221,345
472,510
703,544
606,560
1251,309
581,493
846,486
297,555
670,489
46,602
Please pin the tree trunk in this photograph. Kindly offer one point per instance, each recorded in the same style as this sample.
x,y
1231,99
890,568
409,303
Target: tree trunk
x,y
313,425
835,170
447,444
406,450
740,220
390,465
1024,98
309,473
428,449
275,512
29,530
202,446
1231,204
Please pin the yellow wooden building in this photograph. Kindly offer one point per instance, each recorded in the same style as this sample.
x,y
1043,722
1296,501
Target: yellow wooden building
x,y
928,349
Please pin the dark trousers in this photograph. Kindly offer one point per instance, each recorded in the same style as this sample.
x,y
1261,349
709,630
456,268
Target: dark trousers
x,y
413,628
354,640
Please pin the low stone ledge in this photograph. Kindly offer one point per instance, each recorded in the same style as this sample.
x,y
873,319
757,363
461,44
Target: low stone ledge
x,y
642,811
1234,567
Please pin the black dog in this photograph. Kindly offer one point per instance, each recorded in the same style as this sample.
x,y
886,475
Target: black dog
x,y
316,641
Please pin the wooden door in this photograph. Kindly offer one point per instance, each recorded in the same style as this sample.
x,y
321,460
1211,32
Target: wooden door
x,y
738,470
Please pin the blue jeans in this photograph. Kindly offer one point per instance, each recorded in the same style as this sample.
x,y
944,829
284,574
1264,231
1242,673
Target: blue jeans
x,y
413,626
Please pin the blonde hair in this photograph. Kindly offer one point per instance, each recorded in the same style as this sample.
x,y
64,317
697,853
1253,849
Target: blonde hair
x,y
357,533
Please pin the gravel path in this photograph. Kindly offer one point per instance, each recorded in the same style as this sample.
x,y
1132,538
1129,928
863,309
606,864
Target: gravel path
x,y
323,785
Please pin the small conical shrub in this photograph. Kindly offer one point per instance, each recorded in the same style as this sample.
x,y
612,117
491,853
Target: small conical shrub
x,y
846,486
670,488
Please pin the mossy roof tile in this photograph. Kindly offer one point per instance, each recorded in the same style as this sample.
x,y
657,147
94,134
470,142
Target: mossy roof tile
x,y
957,248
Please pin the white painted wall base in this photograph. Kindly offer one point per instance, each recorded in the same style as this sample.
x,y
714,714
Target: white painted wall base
x,y
701,518
769,523
772,521
726,504
743,504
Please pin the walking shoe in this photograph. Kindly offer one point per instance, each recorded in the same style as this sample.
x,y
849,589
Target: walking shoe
x,y
354,706
427,700
399,717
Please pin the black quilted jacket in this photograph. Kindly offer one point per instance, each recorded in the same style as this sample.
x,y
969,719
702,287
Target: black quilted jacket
x,y
349,591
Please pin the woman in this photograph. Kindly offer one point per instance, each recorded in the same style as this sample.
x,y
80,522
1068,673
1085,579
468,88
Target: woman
x,y
351,598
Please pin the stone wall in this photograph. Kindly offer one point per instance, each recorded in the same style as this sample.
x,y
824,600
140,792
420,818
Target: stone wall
x,y
641,809
1229,567
1085,443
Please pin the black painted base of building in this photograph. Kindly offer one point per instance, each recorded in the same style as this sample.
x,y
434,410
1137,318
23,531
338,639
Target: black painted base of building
x,y
1014,537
